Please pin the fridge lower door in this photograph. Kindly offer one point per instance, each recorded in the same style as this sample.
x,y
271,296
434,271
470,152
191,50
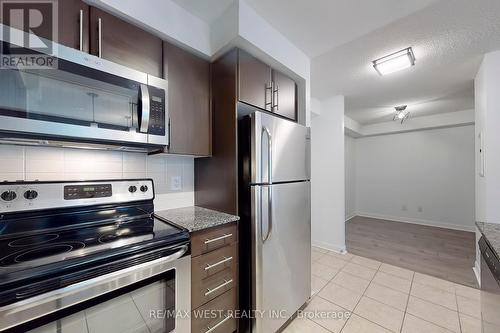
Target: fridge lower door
x,y
281,253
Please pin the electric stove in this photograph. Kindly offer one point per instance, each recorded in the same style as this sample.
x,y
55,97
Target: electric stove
x,y
59,235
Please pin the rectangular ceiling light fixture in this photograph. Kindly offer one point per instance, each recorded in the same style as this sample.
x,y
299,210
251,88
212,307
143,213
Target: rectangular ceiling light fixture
x,y
395,62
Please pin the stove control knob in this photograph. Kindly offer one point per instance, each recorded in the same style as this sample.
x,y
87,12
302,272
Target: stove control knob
x,y
8,195
132,189
30,194
144,188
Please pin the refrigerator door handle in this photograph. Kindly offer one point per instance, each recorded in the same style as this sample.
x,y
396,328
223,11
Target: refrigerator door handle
x,y
269,213
269,210
265,131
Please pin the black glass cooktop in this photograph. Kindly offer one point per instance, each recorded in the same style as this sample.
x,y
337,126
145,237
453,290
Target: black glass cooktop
x,y
49,247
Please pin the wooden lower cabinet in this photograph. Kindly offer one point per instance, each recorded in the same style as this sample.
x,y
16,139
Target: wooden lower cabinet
x,y
214,279
216,315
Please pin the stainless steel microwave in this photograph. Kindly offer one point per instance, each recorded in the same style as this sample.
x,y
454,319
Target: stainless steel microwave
x,y
83,99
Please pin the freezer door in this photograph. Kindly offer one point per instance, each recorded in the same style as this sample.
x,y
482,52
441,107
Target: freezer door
x,y
281,238
279,149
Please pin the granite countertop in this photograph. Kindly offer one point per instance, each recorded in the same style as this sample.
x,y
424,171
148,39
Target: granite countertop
x,y
491,231
196,218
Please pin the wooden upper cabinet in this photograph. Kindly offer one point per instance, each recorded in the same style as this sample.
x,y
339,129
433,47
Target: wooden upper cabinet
x,y
69,29
188,102
254,81
266,88
285,96
73,21
125,44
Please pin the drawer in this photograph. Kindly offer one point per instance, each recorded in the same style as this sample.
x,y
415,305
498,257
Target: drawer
x,y
214,317
207,289
213,239
214,262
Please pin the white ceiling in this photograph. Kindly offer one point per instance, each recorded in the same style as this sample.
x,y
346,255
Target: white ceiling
x,y
319,25
448,38
342,37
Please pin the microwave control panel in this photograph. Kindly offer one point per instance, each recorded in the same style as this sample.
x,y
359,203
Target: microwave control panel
x,y
157,112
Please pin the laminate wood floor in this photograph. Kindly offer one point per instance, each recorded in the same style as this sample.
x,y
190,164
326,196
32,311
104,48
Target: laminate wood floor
x,y
444,253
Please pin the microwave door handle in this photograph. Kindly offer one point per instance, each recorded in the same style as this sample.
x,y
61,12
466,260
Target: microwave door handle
x,y
145,109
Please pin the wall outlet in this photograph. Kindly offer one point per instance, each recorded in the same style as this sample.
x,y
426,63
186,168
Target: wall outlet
x,y
404,208
176,183
420,209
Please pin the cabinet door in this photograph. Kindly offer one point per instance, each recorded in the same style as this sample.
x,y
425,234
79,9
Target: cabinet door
x,y
254,81
188,102
125,44
68,16
74,24
285,96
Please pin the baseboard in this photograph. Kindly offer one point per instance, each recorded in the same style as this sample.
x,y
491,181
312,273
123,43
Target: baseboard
x,y
350,216
477,272
330,247
418,221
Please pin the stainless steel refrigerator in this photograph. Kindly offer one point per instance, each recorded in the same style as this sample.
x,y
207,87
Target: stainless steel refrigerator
x,y
276,202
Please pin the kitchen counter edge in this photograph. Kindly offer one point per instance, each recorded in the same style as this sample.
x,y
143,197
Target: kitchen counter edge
x,y
194,218
491,231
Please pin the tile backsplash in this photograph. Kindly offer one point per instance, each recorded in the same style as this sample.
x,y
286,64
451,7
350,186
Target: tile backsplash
x,y
47,163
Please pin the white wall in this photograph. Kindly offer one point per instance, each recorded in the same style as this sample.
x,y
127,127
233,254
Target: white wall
x,y
327,176
487,99
421,177
350,176
46,163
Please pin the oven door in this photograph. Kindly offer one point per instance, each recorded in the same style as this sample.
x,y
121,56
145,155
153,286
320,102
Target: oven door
x,y
82,98
150,297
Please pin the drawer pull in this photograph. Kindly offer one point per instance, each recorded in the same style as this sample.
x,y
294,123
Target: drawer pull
x,y
223,261
213,328
208,241
226,282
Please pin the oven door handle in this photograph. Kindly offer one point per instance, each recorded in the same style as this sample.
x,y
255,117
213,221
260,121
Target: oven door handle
x,y
145,109
56,300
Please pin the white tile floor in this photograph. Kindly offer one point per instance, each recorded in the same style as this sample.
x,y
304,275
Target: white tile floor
x,y
382,298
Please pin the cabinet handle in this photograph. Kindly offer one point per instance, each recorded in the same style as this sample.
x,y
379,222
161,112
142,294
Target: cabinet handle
x,y
81,29
212,328
211,291
276,105
268,86
99,37
223,261
208,241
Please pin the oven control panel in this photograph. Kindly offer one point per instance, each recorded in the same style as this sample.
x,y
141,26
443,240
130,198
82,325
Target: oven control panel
x,y
89,191
33,195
